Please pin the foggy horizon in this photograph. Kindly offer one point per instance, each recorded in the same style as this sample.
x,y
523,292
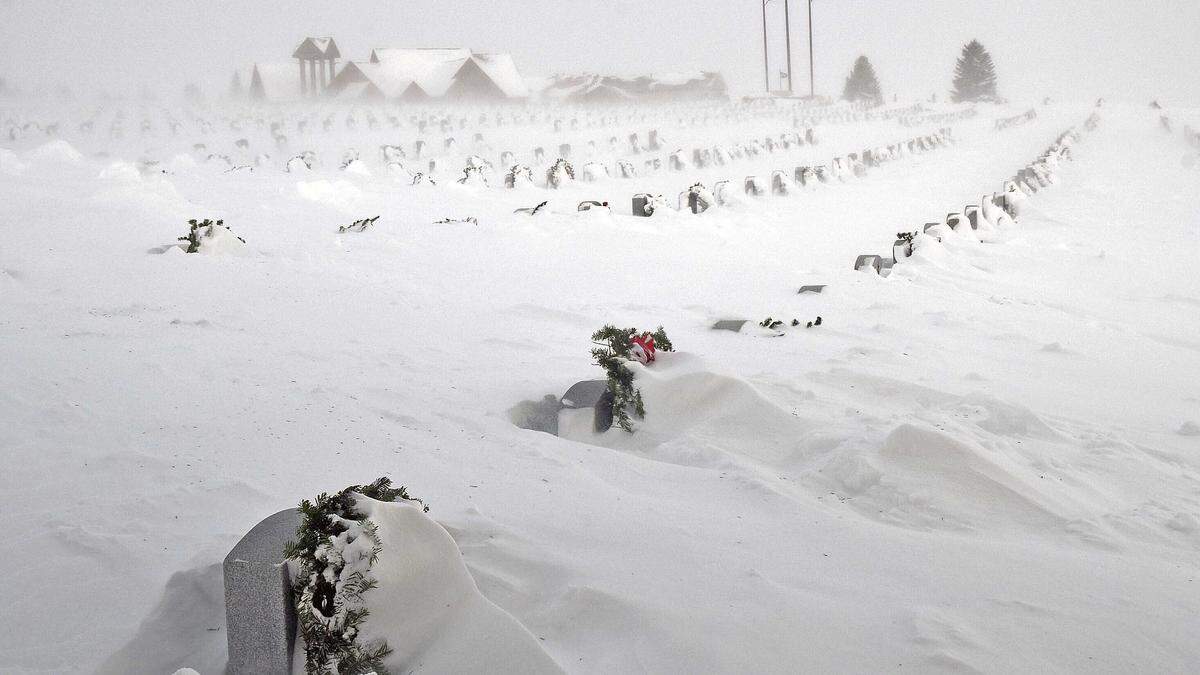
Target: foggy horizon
x,y
1071,50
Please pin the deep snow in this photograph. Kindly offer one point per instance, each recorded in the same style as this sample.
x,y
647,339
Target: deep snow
x,y
985,461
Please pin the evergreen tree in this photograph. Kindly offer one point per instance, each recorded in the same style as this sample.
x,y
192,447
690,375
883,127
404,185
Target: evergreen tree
x,y
235,86
862,85
974,75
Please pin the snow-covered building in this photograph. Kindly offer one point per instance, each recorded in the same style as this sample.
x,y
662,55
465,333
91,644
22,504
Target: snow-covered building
x,y
591,88
318,62
400,74
420,74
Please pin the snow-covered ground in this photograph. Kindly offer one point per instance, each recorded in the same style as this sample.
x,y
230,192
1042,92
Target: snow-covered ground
x,y
989,460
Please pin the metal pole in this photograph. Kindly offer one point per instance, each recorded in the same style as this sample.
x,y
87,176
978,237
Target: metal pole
x,y
812,89
787,28
766,67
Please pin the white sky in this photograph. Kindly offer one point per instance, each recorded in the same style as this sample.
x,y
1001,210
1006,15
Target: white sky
x,y
1066,48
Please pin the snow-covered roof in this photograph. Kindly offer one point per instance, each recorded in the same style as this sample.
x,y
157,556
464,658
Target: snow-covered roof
x,y
418,58
435,69
432,69
317,48
390,79
275,81
503,71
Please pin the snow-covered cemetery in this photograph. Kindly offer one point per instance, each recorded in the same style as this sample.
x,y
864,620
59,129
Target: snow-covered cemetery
x,y
382,357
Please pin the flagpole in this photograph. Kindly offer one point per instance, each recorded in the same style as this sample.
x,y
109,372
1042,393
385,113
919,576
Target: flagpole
x,y
812,89
766,66
787,28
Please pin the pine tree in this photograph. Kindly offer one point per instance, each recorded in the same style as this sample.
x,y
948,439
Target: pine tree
x,y
974,75
235,86
862,84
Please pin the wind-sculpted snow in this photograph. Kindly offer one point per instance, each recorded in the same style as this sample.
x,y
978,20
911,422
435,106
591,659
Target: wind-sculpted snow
x,y
985,460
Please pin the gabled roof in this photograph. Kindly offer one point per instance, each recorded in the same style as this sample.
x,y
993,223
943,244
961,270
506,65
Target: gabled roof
x,y
503,71
275,81
317,48
388,80
437,70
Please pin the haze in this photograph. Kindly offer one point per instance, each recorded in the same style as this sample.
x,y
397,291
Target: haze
x,y
1070,49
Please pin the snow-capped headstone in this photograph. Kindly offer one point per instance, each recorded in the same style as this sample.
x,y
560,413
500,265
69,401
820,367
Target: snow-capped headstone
x,y
753,186
865,261
640,201
259,613
594,395
972,213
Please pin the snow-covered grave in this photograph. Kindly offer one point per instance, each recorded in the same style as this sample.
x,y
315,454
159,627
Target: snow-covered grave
x,y
967,417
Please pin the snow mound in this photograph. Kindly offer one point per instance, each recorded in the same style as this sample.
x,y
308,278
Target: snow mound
x,y
120,172
972,481
181,162
186,627
698,417
9,164
429,609
340,194
55,152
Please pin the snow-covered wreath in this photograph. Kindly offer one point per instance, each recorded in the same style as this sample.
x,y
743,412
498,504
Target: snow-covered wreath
x,y
331,561
614,347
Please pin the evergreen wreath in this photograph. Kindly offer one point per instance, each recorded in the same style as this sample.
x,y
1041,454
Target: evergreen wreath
x,y
332,555
554,175
358,225
202,229
612,352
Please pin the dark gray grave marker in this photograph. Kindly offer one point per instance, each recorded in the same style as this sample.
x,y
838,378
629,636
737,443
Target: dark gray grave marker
x,y
972,213
734,325
640,202
593,394
865,260
259,612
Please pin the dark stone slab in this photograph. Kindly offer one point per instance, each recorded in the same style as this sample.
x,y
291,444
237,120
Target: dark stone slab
x,y
817,288
639,205
866,260
593,394
734,325
259,612
972,213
